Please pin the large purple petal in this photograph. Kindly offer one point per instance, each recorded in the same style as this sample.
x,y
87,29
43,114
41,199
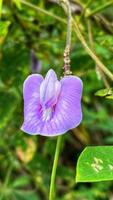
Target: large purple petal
x,y
31,93
68,109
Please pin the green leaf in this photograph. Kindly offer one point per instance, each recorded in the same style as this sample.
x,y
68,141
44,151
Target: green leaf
x,y
21,181
17,3
25,195
4,28
104,92
95,164
109,97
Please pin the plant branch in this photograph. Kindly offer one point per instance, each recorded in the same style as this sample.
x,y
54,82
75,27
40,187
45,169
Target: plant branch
x,y
53,175
68,11
100,8
100,73
43,11
66,5
90,52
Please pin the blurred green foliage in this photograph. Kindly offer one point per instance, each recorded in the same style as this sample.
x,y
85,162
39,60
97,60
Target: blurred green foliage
x,y
26,161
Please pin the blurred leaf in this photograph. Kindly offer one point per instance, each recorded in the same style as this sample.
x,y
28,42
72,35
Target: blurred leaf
x,y
25,195
26,155
95,164
66,174
21,181
109,97
3,29
104,92
8,103
17,3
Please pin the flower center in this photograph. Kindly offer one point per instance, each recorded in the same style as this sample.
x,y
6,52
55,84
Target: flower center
x,y
49,92
47,114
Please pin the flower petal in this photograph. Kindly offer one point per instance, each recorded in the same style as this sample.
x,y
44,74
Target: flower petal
x,y
31,92
49,89
68,109
31,85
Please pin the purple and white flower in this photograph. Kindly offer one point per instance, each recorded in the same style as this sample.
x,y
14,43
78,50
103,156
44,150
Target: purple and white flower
x,y
51,107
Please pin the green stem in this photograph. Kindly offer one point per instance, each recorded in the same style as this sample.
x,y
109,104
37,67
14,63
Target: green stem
x,y
84,8
1,2
100,8
88,3
90,52
42,11
98,71
69,24
53,175
66,6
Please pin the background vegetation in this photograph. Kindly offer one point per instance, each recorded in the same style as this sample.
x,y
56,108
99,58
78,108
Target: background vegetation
x,y
26,161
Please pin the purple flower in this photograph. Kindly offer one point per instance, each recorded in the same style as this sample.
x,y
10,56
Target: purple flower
x,y
51,107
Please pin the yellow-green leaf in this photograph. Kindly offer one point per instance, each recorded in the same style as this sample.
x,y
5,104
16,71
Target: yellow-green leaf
x,y
104,92
4,28
1,1
17,3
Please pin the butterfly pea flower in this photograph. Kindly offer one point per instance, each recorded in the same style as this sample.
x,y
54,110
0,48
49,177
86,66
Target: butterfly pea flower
x,y
51,107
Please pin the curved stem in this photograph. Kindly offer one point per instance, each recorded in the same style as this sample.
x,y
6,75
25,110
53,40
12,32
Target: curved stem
x,y
30,5
90,52
99,72
55,163
100,8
